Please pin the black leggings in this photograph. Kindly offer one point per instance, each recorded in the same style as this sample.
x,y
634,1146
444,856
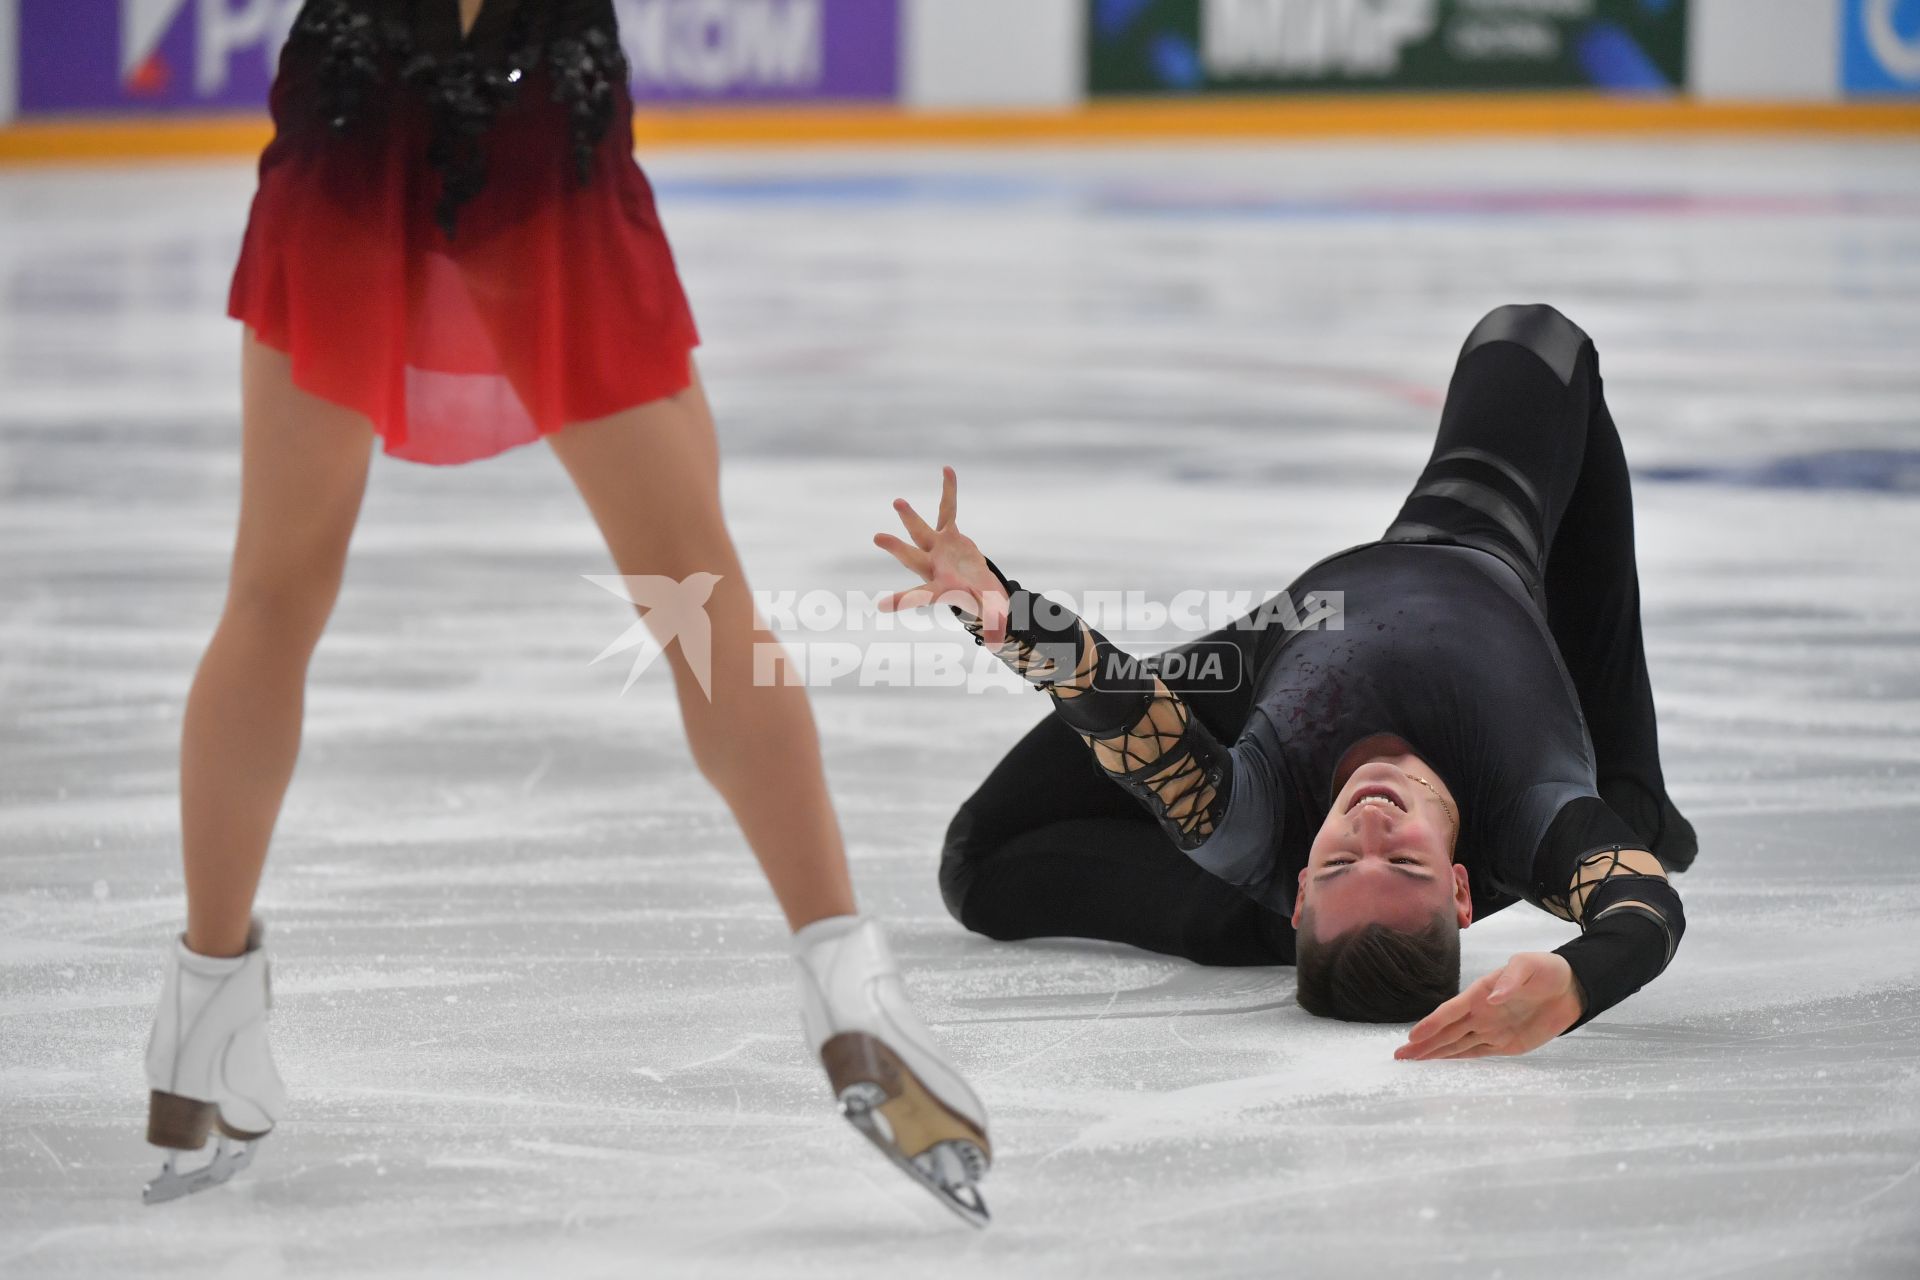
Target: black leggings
x,y
1527,466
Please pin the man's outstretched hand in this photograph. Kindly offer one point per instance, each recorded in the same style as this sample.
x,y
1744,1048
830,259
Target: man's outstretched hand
x,y
1519,1006
952,569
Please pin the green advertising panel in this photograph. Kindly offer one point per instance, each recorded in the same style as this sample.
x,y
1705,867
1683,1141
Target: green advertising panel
x,y
1266,46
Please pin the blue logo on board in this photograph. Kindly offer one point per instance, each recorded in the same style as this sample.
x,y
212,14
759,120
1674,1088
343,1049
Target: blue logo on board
x,y
1880,47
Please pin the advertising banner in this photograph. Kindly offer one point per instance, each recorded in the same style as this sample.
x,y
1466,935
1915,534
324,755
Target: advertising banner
x,y
143,55
780,50
140,56
1880,47
1322,46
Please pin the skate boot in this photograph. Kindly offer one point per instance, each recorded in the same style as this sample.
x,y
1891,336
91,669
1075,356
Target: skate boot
x,y
892,1080
208,1067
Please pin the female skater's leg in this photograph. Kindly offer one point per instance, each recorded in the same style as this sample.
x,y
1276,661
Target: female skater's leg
x,y
650,476
303,471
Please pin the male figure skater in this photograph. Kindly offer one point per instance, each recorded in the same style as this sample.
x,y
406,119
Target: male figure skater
x,y
1480,730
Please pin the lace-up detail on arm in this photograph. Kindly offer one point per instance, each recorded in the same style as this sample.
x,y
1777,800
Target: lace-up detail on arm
x,y
1631,922
1042,660
1604,866
1142,734
1172,765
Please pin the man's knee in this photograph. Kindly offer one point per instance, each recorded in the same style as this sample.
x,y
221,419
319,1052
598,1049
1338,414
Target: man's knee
x,y
1542,330
965,884
958,857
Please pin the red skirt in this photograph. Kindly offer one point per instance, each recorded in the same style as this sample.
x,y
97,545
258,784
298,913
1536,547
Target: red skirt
x,y
555,299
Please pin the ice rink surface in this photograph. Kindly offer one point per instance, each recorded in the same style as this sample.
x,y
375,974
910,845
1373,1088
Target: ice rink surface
x,y
532,997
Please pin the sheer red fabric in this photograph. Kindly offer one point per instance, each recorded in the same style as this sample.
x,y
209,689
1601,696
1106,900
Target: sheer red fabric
x,y
555,300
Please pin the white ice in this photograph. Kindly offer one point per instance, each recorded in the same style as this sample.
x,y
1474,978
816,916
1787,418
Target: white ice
x,y
533,1001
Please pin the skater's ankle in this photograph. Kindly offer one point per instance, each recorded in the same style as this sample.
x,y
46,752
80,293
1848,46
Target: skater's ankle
x,y
212,943
826,929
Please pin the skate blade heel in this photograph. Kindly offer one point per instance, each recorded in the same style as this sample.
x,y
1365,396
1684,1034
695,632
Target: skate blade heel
x,y
177,1123
934,1145
182,1124
229,1158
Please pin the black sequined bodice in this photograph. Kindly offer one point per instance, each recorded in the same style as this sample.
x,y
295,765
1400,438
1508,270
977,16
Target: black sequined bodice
x,y
352,56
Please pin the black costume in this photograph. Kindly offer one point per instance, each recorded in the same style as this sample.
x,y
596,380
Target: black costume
x,y
1495,628
352,65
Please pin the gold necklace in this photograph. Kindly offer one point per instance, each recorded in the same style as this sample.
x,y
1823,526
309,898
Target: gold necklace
x,y
1444,806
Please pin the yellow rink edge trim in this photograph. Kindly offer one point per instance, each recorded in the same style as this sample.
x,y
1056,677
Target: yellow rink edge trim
x,y
1120,120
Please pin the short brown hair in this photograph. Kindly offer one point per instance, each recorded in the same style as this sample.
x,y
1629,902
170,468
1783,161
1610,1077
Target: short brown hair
x,y
1377,974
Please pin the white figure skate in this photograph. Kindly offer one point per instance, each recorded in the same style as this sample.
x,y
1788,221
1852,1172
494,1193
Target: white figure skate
x,y
893,1082
208,1067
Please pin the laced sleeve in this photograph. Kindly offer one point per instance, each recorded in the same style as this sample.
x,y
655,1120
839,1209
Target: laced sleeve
x,y
1143,736
1630,922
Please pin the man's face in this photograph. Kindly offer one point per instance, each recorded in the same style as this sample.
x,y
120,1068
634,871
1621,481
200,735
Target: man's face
x,y
1383,856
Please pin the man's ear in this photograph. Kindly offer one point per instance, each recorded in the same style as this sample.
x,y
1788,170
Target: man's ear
x,y
1462,895
1299,897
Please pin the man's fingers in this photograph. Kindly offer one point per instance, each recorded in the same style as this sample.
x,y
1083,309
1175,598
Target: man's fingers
x,y
1474,1045
922,535
1439,1021
915,560
912,598
1442,1046
949,490
911,557
1515,976
1521,973
1450,1012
